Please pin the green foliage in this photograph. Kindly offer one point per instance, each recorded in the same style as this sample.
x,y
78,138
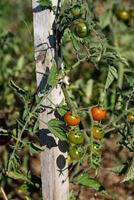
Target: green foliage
x,y
85,180
47,4
55,127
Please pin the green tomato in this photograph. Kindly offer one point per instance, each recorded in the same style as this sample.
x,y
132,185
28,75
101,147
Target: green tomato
x,y
77,11
81,29
76,137
74,153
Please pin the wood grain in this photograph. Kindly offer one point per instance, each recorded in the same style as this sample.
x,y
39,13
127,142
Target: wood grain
x,y
54,174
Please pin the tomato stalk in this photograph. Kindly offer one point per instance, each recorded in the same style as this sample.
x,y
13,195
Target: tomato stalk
x,y
68,100
120,75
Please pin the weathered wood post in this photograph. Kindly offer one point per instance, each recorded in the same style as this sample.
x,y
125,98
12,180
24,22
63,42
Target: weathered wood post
x,y
55,185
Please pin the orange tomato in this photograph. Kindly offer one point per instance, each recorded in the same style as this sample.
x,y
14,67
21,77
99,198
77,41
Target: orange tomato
x,y
98,113
71,120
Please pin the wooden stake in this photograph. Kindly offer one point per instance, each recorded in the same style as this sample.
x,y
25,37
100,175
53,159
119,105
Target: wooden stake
x,y
54,177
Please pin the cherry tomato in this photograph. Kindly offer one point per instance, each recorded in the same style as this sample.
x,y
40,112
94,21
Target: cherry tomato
x,y
74,153
71,120
77,11
130,117
97,133
123,15
76,137
98,113
81,29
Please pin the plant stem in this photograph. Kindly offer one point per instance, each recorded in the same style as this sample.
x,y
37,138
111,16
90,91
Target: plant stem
x,y
24,127
68,100
120,75
3,194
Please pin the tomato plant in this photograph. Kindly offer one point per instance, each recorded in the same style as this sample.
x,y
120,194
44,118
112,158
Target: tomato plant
x,y
98,113
71,120
76,137
87,32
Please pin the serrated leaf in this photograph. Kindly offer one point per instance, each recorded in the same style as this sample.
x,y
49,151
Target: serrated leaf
x,y
85,180
112,75
52,78
34,148
47,4
118,169
130,173
55,127
62,110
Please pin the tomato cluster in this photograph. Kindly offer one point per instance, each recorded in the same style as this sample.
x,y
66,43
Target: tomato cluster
x,y
79,26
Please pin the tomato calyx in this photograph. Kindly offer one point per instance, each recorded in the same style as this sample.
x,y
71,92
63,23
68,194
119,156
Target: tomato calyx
x,y
71,120
98,113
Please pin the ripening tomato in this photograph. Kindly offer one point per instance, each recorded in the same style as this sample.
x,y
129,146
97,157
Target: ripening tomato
x,y
81,29
98,113
97,133
76,137
130,117
71,120
77,11
74,153
123,15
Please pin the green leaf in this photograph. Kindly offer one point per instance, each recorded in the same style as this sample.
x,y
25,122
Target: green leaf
x,y
112,75
34,148
24,188
55,127
16,88
18,176
52,78
85,180
118,169
105,19
130,173
62,110
47,4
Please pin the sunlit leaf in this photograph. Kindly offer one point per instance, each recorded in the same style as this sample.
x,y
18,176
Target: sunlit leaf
x,y
55,126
